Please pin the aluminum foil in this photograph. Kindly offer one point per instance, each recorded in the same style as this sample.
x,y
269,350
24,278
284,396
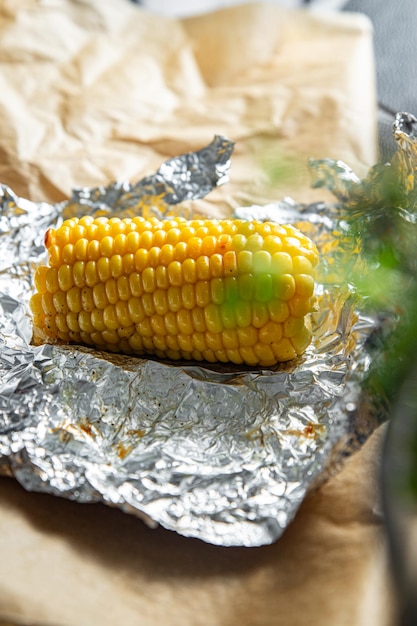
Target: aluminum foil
x,y
225,454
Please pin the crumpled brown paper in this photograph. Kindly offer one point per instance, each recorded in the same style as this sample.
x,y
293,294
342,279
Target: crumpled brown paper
x,y
97,91
92,91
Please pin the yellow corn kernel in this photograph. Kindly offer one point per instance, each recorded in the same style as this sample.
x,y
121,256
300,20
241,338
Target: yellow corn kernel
x,y
230,339
136,311
68,253
160,346
214,341
180,251
293,326
199,322
203,268
87,299
128,261
189,271
173,236
72,321
60,302
270,332
230,263
264,353
216,265
100,296
54,256
202,293
141,259
110,317
304,285
213,318
160,301
135,285
158,325
254,242
260,314
148,305
107,246
79,273
61,322
234,356
120,244
244,262
263,287
116,265
247,336
74,299
208,245
171,323
166,255
110,337
112,294
123,288
103,269
132,242
48,303
172,343
227,312
175,274
84,320
261,262
161,277
194,247
148,280
301,341
174,298
51,280
199,341
281,263
246,286
91,274
97,320
284,287
284,350
302,265
272,244
299,307
184,322
188,296
278,311
153,257
65,277
80,249
216,290
122,313
243,312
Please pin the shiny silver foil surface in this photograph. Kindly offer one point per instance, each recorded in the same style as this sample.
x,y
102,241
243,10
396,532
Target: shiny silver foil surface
x,y
224,454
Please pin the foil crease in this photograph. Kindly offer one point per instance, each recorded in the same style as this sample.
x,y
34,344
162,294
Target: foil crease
x,y
224,454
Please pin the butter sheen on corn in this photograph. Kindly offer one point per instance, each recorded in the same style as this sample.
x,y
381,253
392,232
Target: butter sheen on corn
x,y
214,290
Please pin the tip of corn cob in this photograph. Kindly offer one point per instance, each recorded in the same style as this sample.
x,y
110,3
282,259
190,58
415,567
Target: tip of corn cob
x,y
214,290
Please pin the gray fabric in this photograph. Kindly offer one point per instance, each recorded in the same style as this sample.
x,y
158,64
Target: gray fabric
x,y
395,43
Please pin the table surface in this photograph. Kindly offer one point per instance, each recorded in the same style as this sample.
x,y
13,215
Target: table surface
x,y
329,569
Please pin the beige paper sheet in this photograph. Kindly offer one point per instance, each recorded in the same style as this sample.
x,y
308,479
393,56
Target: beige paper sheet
x,y
92,91
67,564
96,91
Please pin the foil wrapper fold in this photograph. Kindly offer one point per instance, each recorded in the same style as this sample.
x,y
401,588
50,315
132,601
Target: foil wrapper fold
x,y
224,454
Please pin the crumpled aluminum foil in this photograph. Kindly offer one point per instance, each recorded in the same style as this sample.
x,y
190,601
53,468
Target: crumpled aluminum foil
x,y
225,454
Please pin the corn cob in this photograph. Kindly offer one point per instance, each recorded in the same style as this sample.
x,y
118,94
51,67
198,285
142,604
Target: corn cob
x,y
214,290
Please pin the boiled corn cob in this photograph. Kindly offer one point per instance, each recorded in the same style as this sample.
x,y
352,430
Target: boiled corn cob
x,y
214,290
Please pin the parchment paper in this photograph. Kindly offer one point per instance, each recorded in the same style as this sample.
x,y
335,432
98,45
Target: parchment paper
x,y
95,91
